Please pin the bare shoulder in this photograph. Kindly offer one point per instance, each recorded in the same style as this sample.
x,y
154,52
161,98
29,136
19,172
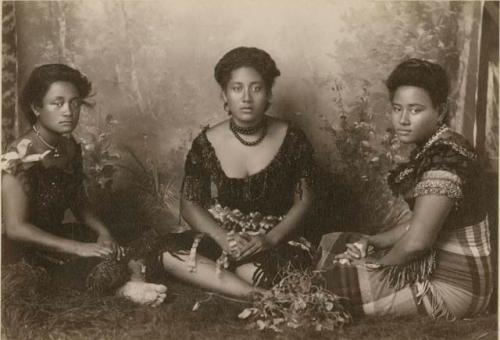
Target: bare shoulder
x,y
277,125
218,133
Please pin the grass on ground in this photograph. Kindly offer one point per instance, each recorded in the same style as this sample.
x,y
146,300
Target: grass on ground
x,y
47,314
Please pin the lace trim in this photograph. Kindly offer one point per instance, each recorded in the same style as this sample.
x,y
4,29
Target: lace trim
x,y
461,150
439,182
403,174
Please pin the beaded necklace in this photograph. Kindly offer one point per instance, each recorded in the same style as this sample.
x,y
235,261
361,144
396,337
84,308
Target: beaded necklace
x,y
236,130
53,148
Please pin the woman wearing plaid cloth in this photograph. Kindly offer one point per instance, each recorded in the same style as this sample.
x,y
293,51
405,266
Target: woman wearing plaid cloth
x,y
439,263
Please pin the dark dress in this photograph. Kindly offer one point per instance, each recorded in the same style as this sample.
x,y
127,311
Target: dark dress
x,y
270,191
51,190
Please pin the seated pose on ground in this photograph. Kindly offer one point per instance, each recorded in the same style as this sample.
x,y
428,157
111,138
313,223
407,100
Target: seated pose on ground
x,y
42,177
261,166
437,264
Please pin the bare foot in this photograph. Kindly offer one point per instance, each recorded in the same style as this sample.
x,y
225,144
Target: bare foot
x,y
143,293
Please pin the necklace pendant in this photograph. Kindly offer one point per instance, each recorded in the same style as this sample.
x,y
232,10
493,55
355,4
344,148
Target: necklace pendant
x,y
56,154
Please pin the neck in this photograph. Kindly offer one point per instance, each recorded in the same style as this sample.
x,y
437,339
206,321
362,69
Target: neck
x,y
248,124
49,136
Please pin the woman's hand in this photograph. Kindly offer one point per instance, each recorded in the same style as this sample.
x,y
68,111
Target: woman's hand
x,y
106,240
255,244
236,243
356,250
83,249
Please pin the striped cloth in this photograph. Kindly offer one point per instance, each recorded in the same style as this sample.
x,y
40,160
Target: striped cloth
x,y
461,285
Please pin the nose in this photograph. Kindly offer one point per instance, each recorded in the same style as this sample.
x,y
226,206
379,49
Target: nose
x,y
67,110
404,117
247,96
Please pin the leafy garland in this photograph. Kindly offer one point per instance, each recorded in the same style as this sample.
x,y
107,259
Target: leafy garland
x,y
234,221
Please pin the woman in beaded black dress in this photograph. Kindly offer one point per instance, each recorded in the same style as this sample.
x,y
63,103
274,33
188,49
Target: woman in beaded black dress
x,y
438,263
261,166
42,177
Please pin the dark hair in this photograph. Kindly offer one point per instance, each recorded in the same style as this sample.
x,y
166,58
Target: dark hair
x,y
421,73
40,80
252,57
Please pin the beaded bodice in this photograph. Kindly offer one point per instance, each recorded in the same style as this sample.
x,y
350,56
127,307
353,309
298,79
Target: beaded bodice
x,y
50,189
270,191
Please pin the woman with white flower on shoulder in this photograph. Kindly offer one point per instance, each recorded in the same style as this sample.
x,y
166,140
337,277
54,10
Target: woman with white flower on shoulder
x,y
42,177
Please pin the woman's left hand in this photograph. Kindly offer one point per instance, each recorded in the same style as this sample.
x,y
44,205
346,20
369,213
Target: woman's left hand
x,y
106,240
254,245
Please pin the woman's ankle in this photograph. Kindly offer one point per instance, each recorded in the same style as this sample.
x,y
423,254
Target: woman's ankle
x,y
137,270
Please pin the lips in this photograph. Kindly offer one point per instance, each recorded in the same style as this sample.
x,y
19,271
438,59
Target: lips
x,y
67,122
403,132
246,109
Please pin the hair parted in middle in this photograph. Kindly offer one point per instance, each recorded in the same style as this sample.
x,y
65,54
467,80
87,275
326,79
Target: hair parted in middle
x,y
252,57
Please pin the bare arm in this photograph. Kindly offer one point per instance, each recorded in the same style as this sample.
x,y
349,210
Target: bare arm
x,y
200,220
429,214
295,216
389,237
18,227
86,215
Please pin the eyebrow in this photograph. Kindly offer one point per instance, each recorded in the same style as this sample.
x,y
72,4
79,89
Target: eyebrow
x,y
413,104
61,97
252,83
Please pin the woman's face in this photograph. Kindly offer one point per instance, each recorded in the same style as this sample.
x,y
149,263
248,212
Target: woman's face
x,y
414,116
60,108
246,95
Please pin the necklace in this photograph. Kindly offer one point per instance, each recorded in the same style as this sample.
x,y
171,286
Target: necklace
x,y
247,130
236,130
432,140
53,148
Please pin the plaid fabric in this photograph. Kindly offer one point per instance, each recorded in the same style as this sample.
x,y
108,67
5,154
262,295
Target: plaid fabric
x,y
461,285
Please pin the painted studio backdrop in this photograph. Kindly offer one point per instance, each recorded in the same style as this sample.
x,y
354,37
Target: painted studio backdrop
x,y
151,64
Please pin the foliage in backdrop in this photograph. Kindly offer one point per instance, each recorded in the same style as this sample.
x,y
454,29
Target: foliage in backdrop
x,y
154,90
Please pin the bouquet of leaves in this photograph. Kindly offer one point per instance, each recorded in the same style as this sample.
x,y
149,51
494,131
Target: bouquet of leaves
x,y
299,300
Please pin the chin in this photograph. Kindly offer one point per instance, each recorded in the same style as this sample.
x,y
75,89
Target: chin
x,y
249,117
406,139
65,130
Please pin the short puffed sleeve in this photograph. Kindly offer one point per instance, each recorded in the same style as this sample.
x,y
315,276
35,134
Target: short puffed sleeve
x,y
196,183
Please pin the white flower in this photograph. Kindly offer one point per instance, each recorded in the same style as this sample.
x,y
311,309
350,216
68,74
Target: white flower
x,y
10,159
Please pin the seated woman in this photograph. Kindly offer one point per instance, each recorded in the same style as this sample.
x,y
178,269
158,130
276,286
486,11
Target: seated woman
x,y
437,264
252,162
42,177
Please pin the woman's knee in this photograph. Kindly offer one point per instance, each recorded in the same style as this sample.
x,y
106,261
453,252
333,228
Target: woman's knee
x,y
171,262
